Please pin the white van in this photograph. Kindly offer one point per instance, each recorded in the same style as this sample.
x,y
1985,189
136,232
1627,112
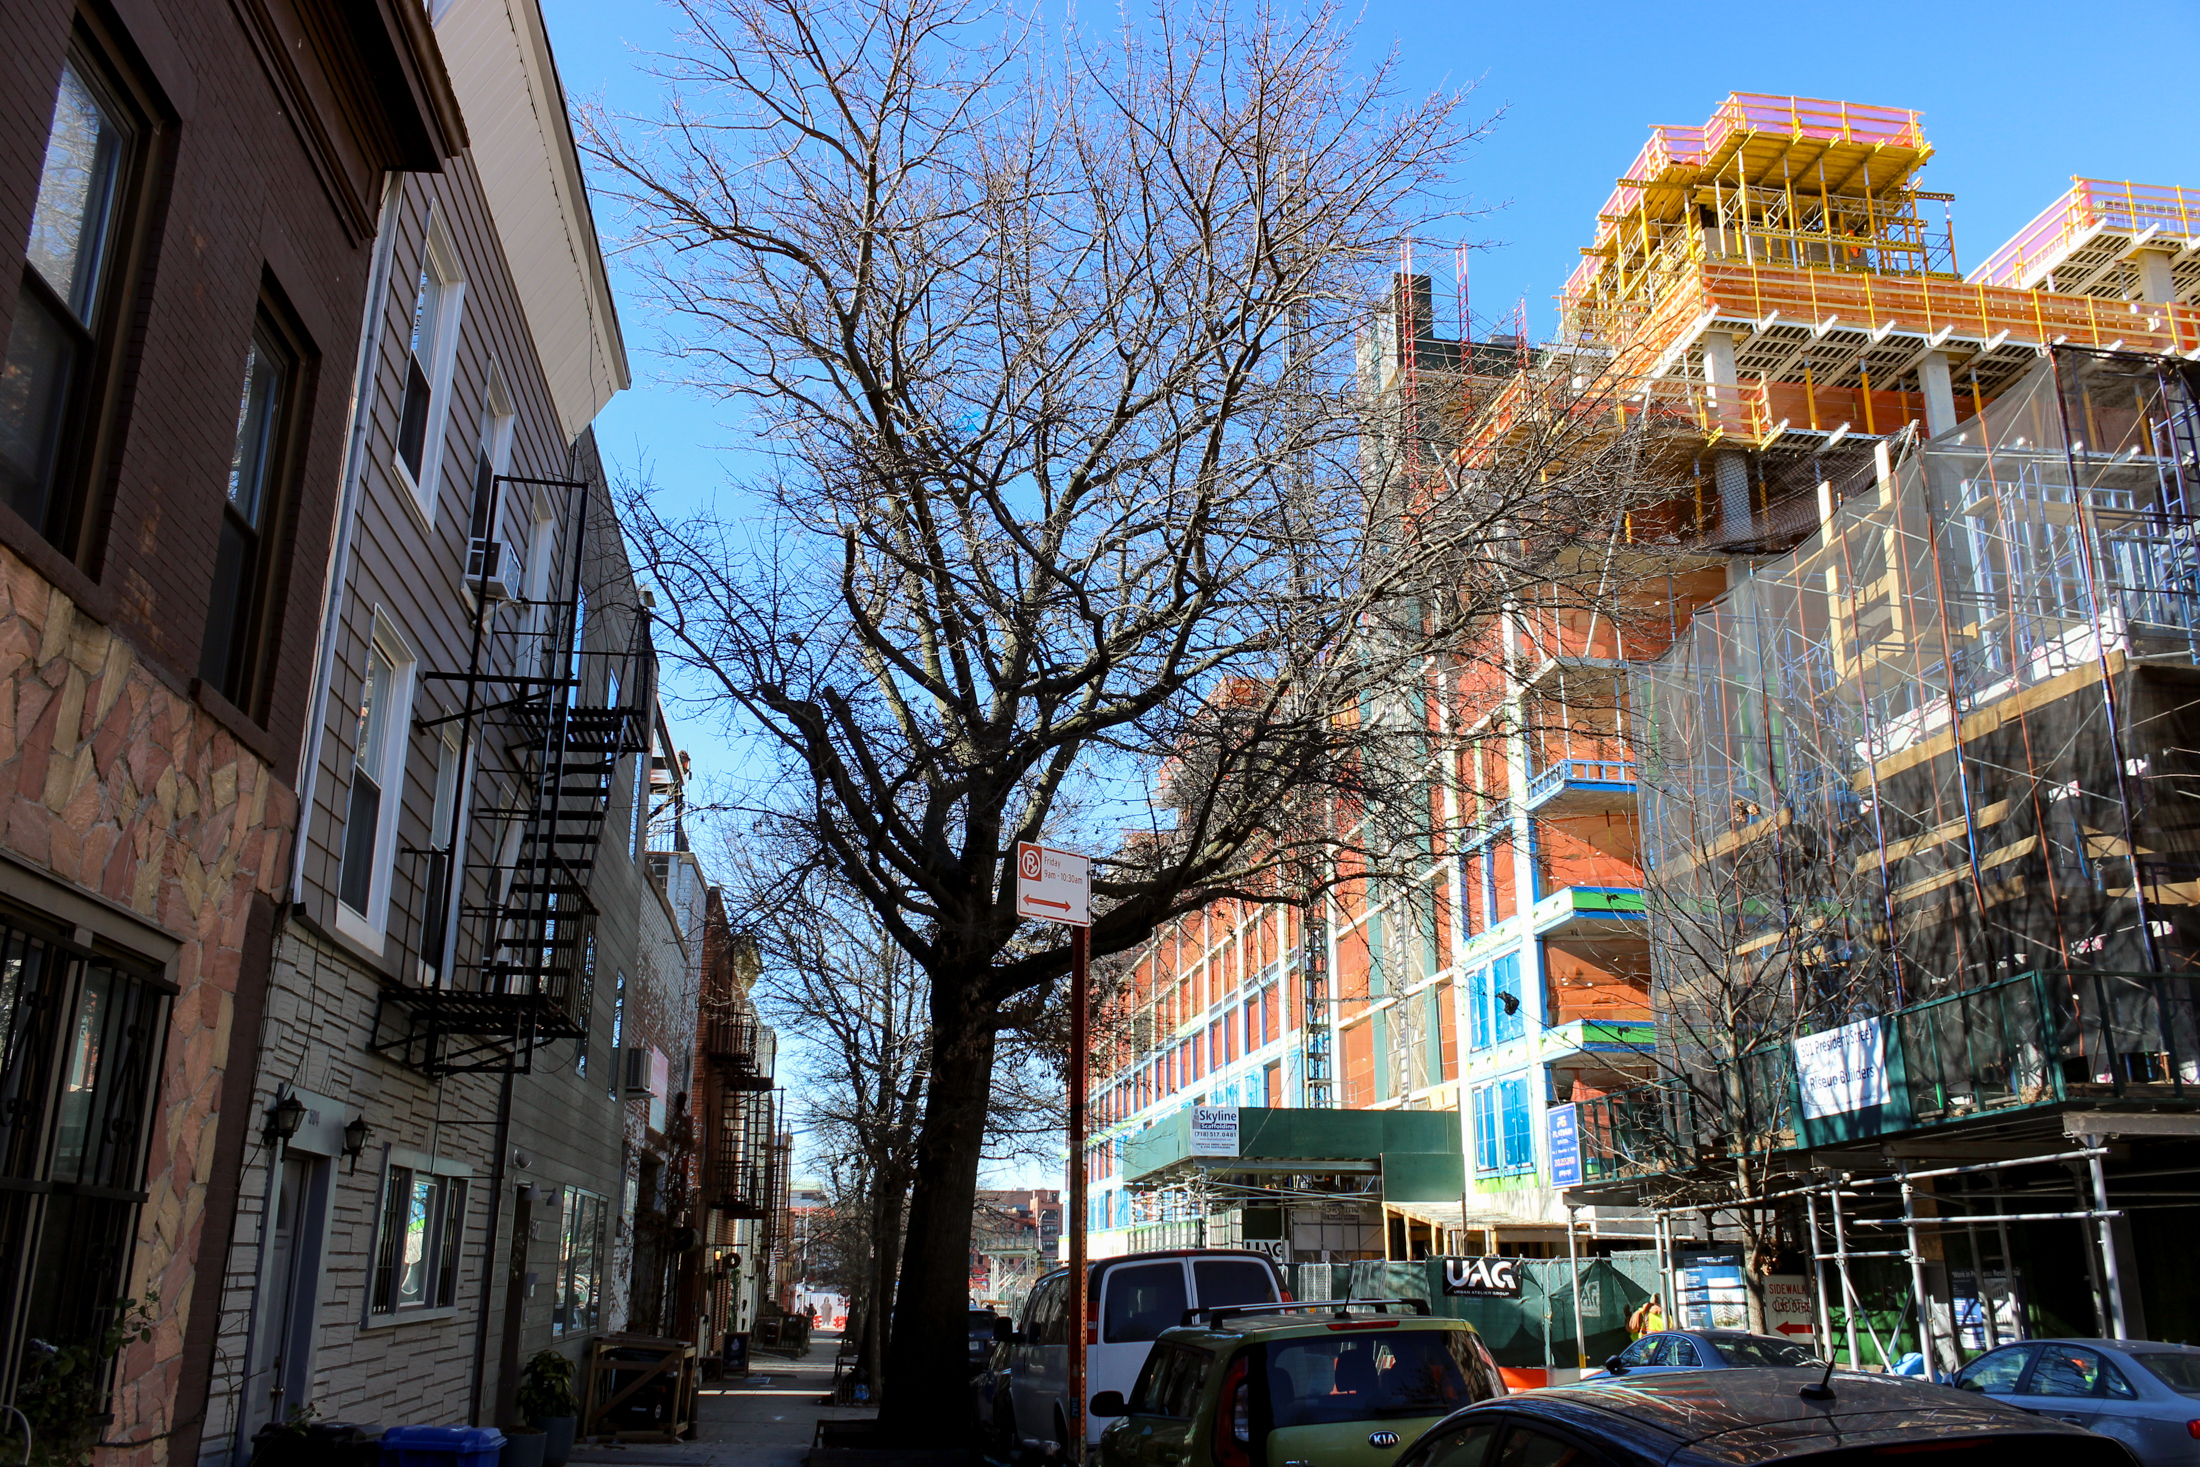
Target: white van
x,y
1129,1300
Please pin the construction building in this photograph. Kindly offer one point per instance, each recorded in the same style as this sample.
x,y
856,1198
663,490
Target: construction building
x,y
1776,295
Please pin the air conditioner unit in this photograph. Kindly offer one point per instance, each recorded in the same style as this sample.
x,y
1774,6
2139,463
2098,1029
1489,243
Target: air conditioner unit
x,y
634,1073
492,570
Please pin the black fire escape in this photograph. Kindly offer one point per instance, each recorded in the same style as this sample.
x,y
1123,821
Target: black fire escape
x,y
547,712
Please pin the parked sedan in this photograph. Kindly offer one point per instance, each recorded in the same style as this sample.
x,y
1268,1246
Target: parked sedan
x,y
1753,1418
1335,1384
2145,1395
1705,1349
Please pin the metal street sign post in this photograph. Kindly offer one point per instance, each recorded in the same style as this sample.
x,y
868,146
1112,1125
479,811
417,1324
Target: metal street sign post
x,y
1056,886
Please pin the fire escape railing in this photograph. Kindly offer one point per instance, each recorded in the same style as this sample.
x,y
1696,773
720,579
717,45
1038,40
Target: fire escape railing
x,y
740,1178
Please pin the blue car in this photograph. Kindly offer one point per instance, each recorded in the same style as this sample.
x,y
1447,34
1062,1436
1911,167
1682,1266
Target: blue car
x,y
1704,1349
2144,1394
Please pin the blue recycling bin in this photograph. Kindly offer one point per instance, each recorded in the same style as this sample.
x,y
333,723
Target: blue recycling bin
x,y
441,1446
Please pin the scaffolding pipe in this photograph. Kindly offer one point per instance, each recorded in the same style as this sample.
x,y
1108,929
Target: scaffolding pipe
x,y
1985,1166
1573,1260
2009,1278
2081,1215
1848,1287
1988,1332
2114,1281
1917,1280
1818,1279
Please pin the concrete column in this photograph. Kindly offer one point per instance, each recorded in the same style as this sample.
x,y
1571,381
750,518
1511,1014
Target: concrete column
x,y
1725,382
1939,389
2155,282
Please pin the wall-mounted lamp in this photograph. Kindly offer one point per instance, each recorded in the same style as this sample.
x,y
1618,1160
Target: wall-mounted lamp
x,y
355,1141
284,1118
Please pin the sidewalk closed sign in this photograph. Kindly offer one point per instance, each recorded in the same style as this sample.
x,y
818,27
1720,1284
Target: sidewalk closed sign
x,y
1214,1130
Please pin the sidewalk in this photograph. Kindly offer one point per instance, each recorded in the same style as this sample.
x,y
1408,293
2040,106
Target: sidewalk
x,y
764,1421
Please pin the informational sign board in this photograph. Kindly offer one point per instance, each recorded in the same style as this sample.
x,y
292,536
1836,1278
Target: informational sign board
x,y
1565,1133
1971,1309
1842,1070
1276,1250
1787,1308
1053,886
1214,1130
1481,1278
1712,1294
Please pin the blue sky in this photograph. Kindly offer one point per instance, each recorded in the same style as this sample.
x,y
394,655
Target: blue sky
x,y
2016,99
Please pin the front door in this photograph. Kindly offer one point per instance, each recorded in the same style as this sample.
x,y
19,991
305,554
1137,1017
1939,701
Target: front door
x,y
282,1333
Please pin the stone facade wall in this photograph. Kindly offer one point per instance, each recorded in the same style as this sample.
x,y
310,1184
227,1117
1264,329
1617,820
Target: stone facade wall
x,y
119,784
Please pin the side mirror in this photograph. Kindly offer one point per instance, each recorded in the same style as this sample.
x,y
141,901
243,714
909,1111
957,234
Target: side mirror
x,y
1003,1330
1616,1365
1109,1404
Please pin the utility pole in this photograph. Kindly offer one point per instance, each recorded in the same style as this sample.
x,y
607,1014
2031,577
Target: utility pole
x,y
1056,886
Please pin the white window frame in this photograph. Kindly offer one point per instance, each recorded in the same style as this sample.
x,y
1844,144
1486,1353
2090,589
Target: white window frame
x,y
440,261
562,1281
447,1170
370,928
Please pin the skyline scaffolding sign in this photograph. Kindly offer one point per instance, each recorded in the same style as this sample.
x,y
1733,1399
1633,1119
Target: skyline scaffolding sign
x,y
1053,886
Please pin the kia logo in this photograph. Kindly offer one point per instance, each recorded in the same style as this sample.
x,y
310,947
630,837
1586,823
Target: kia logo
x,y
1382,1438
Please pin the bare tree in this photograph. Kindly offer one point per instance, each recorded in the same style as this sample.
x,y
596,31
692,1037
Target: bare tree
x,y
1071,530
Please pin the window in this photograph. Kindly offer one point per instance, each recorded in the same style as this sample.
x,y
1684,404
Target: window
x,y
418,1243
587,1005
1313,1382
2073,1370
618,1027
377,765
1508,1016
1478,1009
1142,1301
1465,1446
437,919
641,802
1526,1448
577,1300
236,609
1504,1139
430,350
1223,1281
79,1074
492,456
70,306
1169,1384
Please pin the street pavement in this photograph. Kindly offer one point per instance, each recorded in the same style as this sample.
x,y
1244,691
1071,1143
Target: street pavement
x,y
767,1420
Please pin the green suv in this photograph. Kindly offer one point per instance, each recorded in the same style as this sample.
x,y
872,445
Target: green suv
x,y
1341,1383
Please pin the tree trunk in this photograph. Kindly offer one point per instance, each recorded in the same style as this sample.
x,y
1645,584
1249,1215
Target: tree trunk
x,y
885,1265
929,1350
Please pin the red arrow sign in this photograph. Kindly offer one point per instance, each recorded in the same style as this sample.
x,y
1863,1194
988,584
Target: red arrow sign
x,y
1792,1328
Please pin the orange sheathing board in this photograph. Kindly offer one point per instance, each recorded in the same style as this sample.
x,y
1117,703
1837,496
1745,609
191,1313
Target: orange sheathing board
x,y
1501,863
1589,850
1358,1046
1349,986
1581,987
1447,1031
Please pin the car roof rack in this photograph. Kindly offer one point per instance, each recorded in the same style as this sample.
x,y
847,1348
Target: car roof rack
x,y
1220,1312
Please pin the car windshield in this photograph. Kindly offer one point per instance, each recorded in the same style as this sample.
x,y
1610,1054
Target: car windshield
x,y
2177,1369
981,1325
1741,1349
1375,1376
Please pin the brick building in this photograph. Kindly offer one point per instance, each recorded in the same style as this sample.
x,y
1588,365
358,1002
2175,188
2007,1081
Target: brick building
x,y
187,203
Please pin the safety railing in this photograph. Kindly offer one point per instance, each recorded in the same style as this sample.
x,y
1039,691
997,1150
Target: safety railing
x,y
2131,208
1607,772
2032,1039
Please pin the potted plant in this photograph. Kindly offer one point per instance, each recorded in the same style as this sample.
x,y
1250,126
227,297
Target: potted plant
x,y
63,1394
522,1447
546,1397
